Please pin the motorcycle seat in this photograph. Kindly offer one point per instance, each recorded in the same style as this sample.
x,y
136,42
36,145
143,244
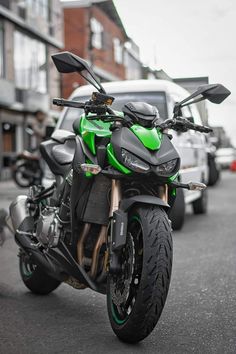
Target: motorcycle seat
x,y
64,153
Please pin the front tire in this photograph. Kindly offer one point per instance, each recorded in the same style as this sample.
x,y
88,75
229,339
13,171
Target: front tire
x,y
136,296
34,278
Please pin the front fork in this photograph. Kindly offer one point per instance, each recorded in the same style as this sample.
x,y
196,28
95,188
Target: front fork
x,y
163,193
116,195
118,227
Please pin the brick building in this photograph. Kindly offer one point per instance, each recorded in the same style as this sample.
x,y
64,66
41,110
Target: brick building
x,y
133,64
30,31
93,30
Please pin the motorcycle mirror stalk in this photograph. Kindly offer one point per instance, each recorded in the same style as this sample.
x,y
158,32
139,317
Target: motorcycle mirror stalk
x,y
192,186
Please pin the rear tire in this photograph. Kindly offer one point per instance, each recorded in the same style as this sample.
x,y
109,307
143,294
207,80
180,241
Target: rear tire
x,y
34,278
18,175
177,213
150,233
200,205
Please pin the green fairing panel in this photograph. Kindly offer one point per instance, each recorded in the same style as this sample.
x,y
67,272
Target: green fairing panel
x,y
90,129
174,177
151,138
114,162
171,179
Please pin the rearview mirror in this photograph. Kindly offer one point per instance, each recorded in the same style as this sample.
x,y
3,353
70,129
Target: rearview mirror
x,y
215,93
67,62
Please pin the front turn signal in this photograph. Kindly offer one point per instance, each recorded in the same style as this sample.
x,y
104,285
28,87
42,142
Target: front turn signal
x,y
91,168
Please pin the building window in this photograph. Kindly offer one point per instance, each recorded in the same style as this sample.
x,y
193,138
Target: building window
x,y
38,8
1,50
8,137
22,8
118,51
5,3
96,33
30,63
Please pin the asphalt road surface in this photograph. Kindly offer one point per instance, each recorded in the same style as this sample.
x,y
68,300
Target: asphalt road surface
x,y
199,316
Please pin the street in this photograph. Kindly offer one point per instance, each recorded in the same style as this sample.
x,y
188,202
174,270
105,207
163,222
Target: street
x,y
200,312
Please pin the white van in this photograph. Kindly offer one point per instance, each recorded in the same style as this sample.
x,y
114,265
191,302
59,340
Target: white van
x,y
190,145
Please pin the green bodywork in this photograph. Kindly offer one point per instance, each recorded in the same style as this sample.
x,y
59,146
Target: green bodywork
x,y
151,138
89,129
114,162
171,179
174,177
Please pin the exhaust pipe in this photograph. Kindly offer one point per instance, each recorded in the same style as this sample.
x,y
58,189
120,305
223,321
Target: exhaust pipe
x,y
22,225
57,262
19,211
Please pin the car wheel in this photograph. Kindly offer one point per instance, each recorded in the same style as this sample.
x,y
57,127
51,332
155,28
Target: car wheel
x,y
200,205
177,213
214,173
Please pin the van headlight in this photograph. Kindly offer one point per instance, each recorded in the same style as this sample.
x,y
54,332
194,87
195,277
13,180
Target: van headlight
x,y
166,168
133,162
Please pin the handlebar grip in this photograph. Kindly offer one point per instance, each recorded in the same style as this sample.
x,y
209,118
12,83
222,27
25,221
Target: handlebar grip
x,y
67,103
57,101
202,128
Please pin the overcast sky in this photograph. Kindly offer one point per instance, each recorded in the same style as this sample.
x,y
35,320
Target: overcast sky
x,y
188,38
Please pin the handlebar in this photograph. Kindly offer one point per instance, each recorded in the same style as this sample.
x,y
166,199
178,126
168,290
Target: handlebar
x,y
105,113
183,124
88,106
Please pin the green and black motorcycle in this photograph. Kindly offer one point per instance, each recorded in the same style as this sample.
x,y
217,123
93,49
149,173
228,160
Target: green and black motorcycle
x,y
103,224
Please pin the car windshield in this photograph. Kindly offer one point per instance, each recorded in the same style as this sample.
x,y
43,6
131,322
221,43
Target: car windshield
x,y
157,99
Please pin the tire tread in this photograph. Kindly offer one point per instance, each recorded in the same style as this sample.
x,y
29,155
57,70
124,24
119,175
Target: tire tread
x,y
155,279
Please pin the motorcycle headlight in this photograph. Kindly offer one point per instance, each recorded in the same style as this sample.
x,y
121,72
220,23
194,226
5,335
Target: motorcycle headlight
x,y
166,168
133,162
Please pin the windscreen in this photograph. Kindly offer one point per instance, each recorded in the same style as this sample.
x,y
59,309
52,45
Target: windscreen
x,y
157,99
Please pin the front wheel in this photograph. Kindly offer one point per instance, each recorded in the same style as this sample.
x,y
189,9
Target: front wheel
x,y
136,296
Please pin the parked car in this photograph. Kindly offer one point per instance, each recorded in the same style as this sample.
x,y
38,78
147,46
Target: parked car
x,y
191,145
225,156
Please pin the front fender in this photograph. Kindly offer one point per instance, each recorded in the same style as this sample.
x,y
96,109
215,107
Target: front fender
x,y
120,223
126,204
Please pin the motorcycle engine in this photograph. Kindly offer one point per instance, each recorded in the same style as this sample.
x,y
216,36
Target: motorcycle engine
x,y
47,230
